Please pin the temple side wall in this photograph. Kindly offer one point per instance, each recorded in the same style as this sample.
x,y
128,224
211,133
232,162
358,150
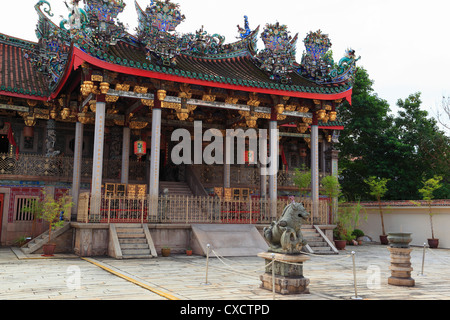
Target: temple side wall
x,y
409,219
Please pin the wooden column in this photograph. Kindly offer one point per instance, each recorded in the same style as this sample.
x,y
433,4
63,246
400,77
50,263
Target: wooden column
x,y
315,167
77,159
97,167
125,156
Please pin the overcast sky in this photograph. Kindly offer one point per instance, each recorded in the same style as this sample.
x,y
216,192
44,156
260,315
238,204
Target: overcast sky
x,y
403,44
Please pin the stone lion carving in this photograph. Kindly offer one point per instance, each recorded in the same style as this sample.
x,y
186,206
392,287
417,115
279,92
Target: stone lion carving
x,y
284,235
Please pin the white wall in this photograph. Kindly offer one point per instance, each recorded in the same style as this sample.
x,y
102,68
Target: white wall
x,y
409,219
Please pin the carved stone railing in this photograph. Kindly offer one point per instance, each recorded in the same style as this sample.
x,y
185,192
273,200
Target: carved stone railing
x,y
61,168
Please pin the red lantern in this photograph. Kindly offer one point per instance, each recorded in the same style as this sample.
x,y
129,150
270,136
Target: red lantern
x,y
28,132
140,148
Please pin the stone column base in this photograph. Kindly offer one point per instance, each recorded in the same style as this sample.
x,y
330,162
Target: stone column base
x,y
288,271
403,282
285,285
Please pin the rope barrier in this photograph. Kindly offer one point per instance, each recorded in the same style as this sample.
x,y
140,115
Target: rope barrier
x,y
439,257
240,271
268,264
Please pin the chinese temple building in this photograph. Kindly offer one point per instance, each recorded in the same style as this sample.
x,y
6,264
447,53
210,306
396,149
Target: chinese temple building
x,y
91,109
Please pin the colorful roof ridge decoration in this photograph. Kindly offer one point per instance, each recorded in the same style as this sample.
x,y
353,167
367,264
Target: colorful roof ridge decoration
x,y
50,55
318,65
102,29
156,30
157,51
279,55
246,31
164,16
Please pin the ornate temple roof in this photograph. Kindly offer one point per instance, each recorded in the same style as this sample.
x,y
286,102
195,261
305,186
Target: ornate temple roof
x,y
93,34
17,75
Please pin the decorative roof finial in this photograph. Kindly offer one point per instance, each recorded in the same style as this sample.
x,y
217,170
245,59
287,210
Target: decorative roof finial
x,y
244,32
279,55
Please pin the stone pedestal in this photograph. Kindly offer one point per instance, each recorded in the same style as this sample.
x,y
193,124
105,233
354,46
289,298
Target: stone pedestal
x,y
289,277
400,260
401,267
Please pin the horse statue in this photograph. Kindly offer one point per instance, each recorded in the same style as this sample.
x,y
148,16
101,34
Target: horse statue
x,y
284,235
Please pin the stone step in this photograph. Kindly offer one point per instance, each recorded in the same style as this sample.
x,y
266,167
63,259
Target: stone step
x,y
318,245
132,252
137,256
133,241
126,246
311,235
316,249
131,236
129,230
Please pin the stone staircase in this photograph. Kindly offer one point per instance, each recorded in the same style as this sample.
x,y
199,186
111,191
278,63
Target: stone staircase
x,y
132,241
37,243
175,188
317,241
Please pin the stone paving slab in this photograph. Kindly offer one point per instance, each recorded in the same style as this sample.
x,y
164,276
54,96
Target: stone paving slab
x,y
28,277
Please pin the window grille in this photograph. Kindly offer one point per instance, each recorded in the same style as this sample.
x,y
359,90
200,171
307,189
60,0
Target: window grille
x,y
22,203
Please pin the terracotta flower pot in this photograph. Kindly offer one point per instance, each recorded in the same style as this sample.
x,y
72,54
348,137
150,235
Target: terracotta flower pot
x,y
49,249
189,252
433,243
384,239
340,244
165,252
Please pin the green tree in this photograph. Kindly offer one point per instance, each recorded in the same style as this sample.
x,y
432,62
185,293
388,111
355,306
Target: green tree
x,y
404,148
429,188
378,189
366,140
428,154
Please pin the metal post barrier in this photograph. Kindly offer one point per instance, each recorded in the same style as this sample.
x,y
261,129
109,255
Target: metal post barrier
x,y
207,263
423,259
354,278
273,276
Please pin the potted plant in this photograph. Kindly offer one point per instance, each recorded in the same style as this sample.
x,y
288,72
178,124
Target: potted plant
x,y
21,241
378,189
348,216
429,187
340,237
54,212
189,251
357,233
165,251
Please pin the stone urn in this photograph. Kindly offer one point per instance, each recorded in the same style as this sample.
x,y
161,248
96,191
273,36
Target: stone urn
x,y
399,239
400,259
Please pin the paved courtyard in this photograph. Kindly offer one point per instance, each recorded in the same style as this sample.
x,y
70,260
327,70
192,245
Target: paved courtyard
x,y
67,277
